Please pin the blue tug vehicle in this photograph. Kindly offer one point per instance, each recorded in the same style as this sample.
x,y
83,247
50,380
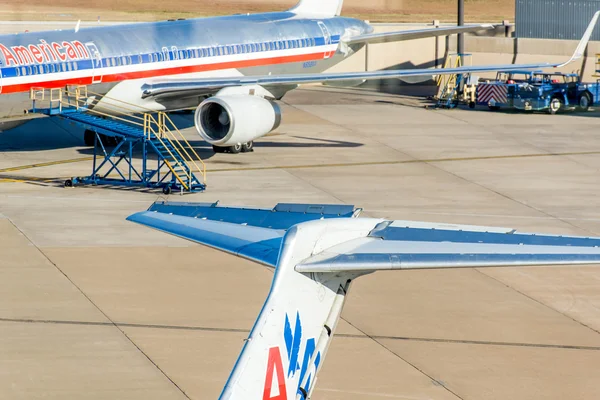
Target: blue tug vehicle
x,y
537,91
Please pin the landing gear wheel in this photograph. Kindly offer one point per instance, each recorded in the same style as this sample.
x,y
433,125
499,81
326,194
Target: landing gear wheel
x,y
89,137
555,106
248,147
218,149
235,149
167,190
584,102
68,183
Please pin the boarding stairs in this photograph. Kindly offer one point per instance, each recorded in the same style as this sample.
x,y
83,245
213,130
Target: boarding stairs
x,y
178,167
450,86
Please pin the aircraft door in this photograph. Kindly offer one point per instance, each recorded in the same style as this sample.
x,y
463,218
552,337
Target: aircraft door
x,y
0,78
96,59
326,37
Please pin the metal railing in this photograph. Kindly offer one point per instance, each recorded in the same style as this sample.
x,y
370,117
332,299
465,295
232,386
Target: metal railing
x,y
160,127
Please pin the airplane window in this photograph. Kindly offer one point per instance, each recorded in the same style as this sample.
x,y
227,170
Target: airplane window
x,y
181,55
17,71
22,71
63,67
40,69
195,53
74,66
262,47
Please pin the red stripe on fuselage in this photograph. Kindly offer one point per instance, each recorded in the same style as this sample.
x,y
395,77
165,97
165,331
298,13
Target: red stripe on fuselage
x,y
25,87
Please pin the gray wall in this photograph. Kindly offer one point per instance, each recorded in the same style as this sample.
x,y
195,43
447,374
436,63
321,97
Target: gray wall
x,y
554,19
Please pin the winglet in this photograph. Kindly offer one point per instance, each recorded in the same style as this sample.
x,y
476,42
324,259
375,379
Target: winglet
x,y
580,50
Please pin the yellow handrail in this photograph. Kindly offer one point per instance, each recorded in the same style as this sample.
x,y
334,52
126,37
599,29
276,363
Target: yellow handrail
x,y
161,127
169,131
148,125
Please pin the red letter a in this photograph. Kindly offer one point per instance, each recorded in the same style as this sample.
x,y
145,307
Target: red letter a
x,y
274,366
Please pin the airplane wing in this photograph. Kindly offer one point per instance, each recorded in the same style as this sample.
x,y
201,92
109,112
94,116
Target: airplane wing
x,y
185,87
251,233
387,37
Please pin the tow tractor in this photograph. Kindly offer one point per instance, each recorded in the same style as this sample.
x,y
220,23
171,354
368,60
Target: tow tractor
x,y
537,91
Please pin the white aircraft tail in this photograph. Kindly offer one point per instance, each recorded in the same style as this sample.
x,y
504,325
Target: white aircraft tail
x,y
317,251
318,8
289,340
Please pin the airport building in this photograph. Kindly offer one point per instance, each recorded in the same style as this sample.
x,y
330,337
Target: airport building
x,y
554,19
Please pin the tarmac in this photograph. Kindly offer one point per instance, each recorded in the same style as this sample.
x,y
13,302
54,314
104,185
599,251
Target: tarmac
x,y
95,307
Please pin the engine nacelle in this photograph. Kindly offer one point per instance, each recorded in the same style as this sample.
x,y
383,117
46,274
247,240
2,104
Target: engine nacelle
x,y
236,119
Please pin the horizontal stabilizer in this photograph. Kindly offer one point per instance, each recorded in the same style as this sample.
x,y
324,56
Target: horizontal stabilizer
x,y
252,233
404,245
387,37
256,244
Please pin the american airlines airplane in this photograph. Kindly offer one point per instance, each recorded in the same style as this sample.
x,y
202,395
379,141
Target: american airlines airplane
x,y
316,252
232,69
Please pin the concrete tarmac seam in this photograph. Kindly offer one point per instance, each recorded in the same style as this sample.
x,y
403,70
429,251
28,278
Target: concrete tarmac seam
x,y
337,335
112,323
302,166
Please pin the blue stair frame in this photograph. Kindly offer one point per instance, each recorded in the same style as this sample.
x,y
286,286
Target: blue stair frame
x,y
171,173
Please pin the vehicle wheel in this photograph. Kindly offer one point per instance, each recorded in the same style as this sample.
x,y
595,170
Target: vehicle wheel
x,y
555,106
68,183
235,149
584,102
167,190
248,147
89,137
218,149
471,104
494,108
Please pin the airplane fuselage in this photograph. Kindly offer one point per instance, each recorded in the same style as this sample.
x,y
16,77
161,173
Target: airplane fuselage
x,y
119,60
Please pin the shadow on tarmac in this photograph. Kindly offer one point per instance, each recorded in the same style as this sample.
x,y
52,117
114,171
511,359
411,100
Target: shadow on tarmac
x,y
42,134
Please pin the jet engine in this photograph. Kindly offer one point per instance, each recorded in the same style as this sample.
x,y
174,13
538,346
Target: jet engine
x,y
235,120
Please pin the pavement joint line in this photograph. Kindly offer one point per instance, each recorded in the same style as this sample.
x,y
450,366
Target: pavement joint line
x,y
340,335
307,166
103,313
538,301
45,164
382,345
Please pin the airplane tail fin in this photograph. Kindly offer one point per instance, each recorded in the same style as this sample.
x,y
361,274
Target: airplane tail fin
x,y
316,261
318,8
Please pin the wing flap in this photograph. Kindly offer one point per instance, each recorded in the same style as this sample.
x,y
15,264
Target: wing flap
x,y
387,37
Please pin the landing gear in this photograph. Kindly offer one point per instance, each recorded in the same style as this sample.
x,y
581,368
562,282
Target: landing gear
x,y
68,183
235,149
247,147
